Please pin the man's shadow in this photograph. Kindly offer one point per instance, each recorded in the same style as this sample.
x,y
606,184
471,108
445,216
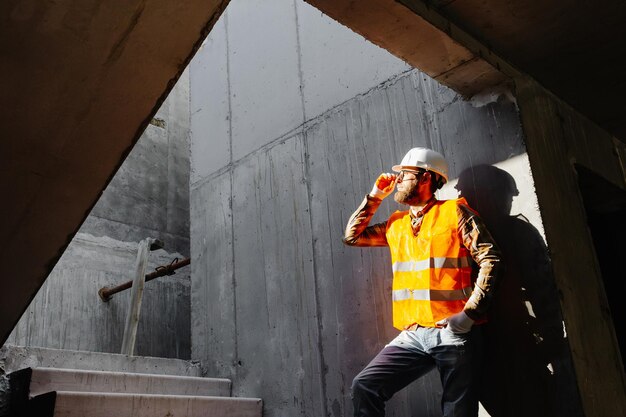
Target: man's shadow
x,y
526,368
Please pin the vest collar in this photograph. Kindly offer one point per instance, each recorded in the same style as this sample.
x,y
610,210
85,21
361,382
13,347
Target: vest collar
x,y
417,217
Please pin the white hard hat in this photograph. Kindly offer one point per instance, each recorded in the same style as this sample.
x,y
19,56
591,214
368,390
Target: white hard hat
x,y
424,158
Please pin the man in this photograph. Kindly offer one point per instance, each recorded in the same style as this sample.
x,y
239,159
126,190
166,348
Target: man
x,y
437,297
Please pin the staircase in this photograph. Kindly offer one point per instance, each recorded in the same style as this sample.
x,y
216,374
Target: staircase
x,y
45,391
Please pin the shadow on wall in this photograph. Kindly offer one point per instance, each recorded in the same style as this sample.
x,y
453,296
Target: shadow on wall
x,y
527,366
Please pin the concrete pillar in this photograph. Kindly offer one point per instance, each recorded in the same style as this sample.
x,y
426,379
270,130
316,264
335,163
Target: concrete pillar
x,y
556,138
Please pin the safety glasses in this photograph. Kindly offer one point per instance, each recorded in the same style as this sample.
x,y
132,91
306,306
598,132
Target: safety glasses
x,y
412,175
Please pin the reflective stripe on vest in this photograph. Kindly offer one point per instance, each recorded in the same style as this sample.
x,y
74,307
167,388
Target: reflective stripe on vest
x,y
432,295
416,266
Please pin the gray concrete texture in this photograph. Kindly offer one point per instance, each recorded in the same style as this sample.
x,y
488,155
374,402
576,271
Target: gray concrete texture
x,y
93,74
67,312
278,303
565,148
149,194
45,380
148,197
79,404
265,69
13,358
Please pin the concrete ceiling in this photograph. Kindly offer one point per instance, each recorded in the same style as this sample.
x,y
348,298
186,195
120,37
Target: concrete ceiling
x,y
79,81
577,49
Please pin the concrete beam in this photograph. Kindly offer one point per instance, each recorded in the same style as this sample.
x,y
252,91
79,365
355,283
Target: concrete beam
x,y
80,81
424,39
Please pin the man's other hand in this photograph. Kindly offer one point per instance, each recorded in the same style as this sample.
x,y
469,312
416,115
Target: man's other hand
x,y
458,323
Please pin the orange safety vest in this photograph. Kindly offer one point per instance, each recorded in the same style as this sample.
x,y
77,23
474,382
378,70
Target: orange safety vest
x,y
432,272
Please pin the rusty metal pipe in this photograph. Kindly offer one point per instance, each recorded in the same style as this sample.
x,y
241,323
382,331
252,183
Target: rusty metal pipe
x,y
105,293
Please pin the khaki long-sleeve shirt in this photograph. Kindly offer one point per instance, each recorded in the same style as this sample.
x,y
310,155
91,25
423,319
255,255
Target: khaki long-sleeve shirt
x,y
474,235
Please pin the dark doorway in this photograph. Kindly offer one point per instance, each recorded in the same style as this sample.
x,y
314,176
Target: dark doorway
x,y
605,204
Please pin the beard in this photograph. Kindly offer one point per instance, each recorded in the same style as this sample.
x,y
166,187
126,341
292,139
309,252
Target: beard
x,y
409,196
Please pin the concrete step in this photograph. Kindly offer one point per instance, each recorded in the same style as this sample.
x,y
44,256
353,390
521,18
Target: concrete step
x,y
43,380
81,404
13,358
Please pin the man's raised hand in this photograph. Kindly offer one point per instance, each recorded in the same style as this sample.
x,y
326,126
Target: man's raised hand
x,y
385,184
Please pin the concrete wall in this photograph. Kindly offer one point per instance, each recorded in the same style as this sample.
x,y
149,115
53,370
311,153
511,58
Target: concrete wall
x,y
67,312
281,156
266,68
148,197
149,194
